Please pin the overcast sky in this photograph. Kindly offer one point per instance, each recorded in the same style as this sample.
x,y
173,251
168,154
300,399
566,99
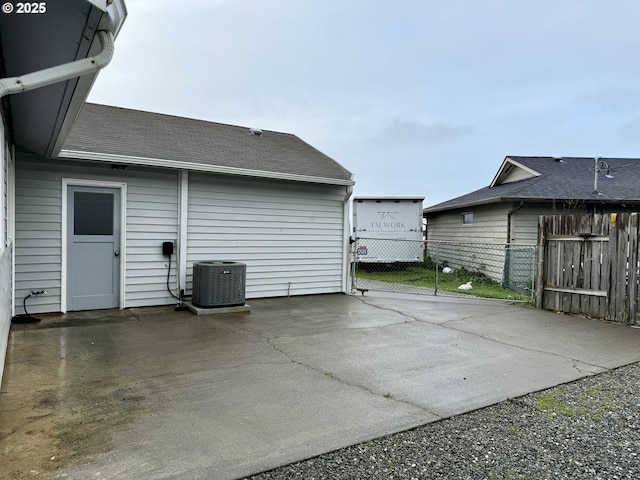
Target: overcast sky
x,y
414,97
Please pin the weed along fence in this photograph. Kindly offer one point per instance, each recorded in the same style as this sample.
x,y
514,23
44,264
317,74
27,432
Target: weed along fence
x,y
590,265
441,268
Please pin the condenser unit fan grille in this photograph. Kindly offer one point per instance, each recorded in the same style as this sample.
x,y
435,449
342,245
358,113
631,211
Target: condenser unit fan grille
x,y
218,284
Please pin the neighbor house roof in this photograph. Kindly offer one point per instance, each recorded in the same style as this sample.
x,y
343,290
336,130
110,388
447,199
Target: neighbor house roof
x,y
556,178
121,135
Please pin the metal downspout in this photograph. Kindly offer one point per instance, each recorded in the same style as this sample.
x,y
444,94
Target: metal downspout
x,y
67,71
511,212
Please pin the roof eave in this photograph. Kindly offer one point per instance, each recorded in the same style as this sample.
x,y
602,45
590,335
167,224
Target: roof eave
x,y
598,200
115,15
436,210
200,167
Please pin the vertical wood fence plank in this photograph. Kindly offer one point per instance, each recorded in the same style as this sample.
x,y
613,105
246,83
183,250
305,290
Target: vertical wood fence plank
x,y
571,258
600,269
567,273
588,302
541,262
632,275
636,293
620,280
577,252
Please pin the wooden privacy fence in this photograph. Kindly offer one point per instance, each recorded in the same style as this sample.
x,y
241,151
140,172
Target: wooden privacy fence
x,y
589,265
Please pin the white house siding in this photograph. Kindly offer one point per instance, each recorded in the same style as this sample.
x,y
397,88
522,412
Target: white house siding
x,y
289,234
524,222
151,218
6,244
489,225
456,243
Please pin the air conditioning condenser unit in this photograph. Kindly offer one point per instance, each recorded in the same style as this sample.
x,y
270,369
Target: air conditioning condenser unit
x,y
218,283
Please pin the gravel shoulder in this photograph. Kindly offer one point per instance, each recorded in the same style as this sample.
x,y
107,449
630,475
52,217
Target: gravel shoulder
x,y
587,429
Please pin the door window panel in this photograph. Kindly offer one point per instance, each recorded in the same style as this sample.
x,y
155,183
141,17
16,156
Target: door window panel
x,y
93,213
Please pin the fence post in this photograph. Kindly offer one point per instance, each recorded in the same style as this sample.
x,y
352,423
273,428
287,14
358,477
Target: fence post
x,y
354,257
533,273
540,272
435,290
632,274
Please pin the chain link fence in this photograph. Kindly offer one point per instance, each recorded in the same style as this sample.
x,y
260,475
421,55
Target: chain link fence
x,y
444,268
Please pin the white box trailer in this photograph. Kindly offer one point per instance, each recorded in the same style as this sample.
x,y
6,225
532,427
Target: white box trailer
x,y
388,230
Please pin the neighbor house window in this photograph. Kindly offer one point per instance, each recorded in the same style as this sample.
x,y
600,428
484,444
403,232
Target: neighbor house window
x,y
467,218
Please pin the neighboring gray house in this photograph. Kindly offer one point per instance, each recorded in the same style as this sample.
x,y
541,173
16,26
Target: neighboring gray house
x,y
48,62
218,192
525,187
506,212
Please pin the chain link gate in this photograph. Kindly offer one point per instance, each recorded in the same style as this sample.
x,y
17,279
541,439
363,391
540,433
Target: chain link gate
x,y
444,268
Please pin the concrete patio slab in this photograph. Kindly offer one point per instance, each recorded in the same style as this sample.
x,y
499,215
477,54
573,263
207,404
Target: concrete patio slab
x,y
153,393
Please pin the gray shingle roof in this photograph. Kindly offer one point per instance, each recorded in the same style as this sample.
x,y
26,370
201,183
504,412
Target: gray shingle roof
x,y
133,133
571,178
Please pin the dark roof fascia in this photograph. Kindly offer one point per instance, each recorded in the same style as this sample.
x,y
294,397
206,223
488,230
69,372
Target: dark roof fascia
x,y
485,201
588,201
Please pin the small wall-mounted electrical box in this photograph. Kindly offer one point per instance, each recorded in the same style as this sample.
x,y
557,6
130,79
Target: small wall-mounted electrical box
x,y
167,249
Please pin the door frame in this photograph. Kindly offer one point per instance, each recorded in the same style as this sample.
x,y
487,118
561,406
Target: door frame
x,y
78,182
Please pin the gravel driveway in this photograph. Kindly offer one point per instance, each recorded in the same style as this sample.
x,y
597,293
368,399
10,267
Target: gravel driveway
x,y
587,429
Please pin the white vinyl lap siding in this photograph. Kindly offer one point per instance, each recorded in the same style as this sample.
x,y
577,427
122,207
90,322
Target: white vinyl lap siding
x,y
38,242
489,225
290,235
525,221
6,242
151,218
461,248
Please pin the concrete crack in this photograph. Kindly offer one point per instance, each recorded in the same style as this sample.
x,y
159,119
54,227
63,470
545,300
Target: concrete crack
x,y
387,309
527,349
577,363
388,395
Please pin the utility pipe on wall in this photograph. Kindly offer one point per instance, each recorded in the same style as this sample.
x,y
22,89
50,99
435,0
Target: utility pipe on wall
x,y
346,257
509,215
60,73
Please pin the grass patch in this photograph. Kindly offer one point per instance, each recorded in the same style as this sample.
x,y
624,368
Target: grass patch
x,y
552,406
591,406
419,276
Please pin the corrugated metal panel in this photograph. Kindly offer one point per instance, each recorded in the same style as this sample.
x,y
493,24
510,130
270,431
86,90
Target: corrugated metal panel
x,y
289,235
152,217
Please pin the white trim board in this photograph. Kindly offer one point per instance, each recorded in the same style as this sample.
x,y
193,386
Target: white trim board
x,y
66,183
183,222
198,167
